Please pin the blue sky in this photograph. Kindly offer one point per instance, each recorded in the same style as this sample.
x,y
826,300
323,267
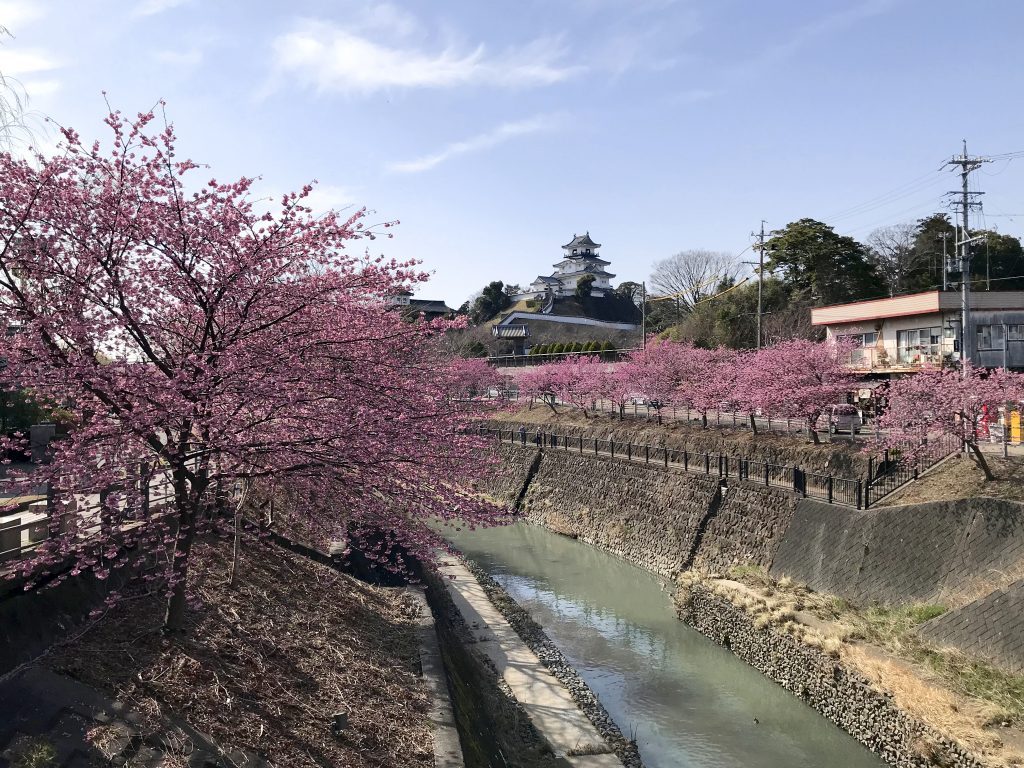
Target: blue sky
x,y
495,130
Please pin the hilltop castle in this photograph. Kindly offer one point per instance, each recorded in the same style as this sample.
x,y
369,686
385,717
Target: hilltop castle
x,y
580,258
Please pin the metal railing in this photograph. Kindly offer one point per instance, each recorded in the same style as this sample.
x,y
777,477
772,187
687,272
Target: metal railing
x,y
33,519
828,488
519,361
888,472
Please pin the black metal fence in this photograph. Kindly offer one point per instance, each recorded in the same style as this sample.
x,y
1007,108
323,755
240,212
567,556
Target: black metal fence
x,y
887,471
815,485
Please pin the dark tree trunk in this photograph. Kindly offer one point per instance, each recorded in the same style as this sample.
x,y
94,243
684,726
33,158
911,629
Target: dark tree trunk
x,y
980,458
753,424
186,501
174,620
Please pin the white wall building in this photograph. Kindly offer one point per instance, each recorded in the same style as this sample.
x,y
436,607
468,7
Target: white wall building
x,y
904,333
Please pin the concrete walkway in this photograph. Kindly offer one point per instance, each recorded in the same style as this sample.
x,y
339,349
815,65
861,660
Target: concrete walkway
x,y
547,702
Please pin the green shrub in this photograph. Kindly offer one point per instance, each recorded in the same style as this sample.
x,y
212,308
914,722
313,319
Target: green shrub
x,y
557,348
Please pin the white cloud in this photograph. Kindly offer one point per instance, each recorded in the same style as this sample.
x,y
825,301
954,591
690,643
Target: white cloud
x,y
153,7
331,58
822,26
14,14
328,197
25,62
483,141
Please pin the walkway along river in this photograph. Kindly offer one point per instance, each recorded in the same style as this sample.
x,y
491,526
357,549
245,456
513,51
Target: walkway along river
x,y
689,701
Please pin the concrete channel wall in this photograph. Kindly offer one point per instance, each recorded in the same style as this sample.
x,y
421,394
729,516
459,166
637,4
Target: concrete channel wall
x,y
518,701
949,553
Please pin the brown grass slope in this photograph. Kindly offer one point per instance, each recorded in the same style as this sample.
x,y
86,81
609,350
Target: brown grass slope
x,y
266,664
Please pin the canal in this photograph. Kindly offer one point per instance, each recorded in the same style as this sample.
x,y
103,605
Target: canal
x,y
688,701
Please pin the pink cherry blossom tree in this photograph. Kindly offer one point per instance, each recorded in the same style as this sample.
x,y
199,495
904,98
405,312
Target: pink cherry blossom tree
x,y
203,346
659,371
797,378
617,382
705,378
576,380
538,383
943,402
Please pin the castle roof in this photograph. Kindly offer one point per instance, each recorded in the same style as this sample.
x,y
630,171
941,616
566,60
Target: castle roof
x,y
582,241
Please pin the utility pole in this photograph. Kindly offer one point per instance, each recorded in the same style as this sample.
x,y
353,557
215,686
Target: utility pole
x,y
760,279
945,260
966,164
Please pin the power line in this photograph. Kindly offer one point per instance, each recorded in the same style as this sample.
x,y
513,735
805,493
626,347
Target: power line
x,y
900,191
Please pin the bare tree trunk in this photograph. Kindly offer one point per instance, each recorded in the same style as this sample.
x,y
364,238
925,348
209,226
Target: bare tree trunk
x,y
186,501
704,419
753,424
236,545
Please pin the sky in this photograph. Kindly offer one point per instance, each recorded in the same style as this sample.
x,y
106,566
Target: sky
x,y
494,131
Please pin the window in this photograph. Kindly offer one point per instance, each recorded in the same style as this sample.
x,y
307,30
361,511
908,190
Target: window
x,y
860,339
990,336
1015,332
919,345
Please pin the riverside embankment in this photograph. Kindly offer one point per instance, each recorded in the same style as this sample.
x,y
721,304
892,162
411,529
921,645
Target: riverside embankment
x,y
669,522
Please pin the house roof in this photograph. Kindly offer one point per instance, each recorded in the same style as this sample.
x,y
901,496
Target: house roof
x,y
548,280
430,306
926,303
582,241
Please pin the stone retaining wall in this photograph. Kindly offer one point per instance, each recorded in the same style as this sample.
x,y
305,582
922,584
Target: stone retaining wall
x,y
842,696
642,513
747,528
661,519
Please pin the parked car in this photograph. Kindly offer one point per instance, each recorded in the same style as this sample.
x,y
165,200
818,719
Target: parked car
x,y
843,418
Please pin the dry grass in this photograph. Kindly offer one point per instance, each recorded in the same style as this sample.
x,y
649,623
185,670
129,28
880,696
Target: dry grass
x,y
961,478
967,699
265,665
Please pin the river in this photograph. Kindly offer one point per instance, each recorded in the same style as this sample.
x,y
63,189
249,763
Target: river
x,y
690,702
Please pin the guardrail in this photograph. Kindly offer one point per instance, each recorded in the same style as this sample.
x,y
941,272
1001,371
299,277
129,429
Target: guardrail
x,y
828,488
33,519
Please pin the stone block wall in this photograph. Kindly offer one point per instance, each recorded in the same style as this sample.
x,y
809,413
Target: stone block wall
x,y
640,512
839,694
747,527
663,520
991,628
510,472
940,552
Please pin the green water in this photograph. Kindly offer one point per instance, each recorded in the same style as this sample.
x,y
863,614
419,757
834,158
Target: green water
x,y
689,701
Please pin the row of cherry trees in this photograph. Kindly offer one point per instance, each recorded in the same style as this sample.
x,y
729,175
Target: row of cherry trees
x,y
195,337
793,379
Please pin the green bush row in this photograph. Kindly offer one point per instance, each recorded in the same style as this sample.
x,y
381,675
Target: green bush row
x,y
576,346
